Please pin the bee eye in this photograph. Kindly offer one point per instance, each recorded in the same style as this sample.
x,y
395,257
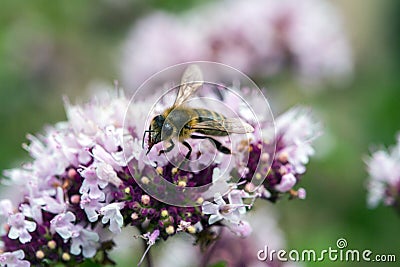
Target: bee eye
x,y
159,119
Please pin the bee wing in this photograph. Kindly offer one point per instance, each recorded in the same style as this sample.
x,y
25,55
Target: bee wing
x,y
192,79
230,125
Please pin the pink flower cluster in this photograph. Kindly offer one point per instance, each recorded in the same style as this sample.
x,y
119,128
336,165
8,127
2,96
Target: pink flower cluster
x,y
79,190
261,38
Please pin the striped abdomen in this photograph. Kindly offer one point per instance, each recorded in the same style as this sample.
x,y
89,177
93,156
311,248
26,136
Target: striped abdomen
x,y
204,115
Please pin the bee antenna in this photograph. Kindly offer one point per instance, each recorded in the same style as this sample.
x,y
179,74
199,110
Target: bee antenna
x,y
144,135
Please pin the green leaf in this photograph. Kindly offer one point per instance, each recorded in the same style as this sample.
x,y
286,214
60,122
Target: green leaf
x,y
90,263
219,264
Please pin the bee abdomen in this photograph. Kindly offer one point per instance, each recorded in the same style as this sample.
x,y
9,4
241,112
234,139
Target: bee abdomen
x,y
207,115
204,115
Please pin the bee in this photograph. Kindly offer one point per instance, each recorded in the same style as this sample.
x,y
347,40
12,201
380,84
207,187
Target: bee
x,y
181,122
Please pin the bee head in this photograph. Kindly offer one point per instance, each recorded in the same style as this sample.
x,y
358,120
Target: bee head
x,y
154,131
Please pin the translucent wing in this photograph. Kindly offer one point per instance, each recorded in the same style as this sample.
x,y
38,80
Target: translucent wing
x,y
229,125
192,79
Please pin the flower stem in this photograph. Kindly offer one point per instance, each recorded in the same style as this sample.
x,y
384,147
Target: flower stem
x,y
147,255
210,251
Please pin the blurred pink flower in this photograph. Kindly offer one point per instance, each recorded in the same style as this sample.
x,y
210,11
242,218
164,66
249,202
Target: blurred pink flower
x,y
233,249
261,38
384,177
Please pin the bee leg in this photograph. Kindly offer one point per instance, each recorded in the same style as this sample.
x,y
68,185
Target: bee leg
x,y
218,145
172,145
186,144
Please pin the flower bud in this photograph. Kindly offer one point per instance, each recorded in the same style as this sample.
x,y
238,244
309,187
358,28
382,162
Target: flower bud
x,y
52,244
145,199
134,216
39,254
159,170
174,171
164,213
170,230
65,256
191,229
145,180
71,173
75,199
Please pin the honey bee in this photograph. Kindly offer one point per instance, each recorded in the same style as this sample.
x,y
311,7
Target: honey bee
x,y
181,122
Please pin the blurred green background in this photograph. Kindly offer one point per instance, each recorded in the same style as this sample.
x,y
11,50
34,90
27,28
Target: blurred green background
x,y
54,48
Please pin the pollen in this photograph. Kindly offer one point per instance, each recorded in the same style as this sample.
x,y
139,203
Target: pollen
x,y
258,176
127,190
